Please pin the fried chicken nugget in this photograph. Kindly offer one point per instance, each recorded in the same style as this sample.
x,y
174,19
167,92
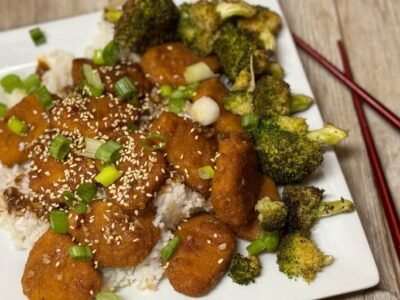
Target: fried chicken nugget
x,y
236,181
227,121
119,239
51,274
143,172
166,64
13,147
111,74
202,257
91,116
189,147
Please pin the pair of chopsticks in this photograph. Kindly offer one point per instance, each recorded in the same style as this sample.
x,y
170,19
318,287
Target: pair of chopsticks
x,y
359,95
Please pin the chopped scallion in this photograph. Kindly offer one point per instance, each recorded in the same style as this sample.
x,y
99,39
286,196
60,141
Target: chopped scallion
x,y
37,36
271,240
17,126
45,98
108,175
250,121
69,198
98,57
132,127
80,208
80,252
125,89
176,105
167,252
94,81
256,247
91,147
31,83
108,152
111,54
3,109
11,82
112,14
59,221
155,141
206,172
166,90
198,72
106,295
60,147
86,192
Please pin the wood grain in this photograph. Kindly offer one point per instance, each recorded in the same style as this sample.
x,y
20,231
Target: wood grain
x,y
371,32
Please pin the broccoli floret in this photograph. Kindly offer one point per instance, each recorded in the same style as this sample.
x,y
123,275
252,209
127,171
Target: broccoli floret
x,y
305,207
238,53
271,214
285,150
271,97
244,270
275,69
240,102
298,256
239,8
146,23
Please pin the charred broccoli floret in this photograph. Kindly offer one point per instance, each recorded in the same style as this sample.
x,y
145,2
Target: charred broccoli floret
x,y
286,152
239,56
271,214
146,23
305,207
244,270
298,256
239,102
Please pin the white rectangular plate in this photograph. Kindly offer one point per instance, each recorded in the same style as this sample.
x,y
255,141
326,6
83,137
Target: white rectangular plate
x,y
342,236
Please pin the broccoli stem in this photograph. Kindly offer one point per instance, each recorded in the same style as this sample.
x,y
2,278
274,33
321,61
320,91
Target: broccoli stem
x,y
331,208
328,135
299,103
240,9
328,260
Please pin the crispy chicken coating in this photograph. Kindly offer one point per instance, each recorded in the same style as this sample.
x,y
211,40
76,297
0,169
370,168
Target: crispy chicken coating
x,y
118,239
51,274
143,172
202,257
189,147
166,64
236,181
13,147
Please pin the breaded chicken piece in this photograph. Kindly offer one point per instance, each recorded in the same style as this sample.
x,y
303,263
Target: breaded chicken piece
x,y
166,64
189,148
119,240
51,274
50,177
227,121
13,147
202,257
144,172
110,75
92,116
236,181
268,188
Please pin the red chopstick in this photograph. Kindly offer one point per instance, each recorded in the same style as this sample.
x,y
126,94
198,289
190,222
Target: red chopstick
x,y
364,95
380,180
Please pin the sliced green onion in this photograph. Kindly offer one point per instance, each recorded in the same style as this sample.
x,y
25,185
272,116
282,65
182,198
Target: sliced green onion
x,y
108,175
3,109
86,192
256,247
198,72
132,127
91,147
151,146
167,252
31,83
106,295
98,57
60,147
80,208
112,14
45,98
11,82
206,172
37,36
166,90
80,252
125,89
176,105
69,198
111,54
93,79
271,240
59,221
250,121
108,152
17,126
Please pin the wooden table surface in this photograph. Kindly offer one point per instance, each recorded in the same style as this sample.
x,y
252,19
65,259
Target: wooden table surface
x,y
371,32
